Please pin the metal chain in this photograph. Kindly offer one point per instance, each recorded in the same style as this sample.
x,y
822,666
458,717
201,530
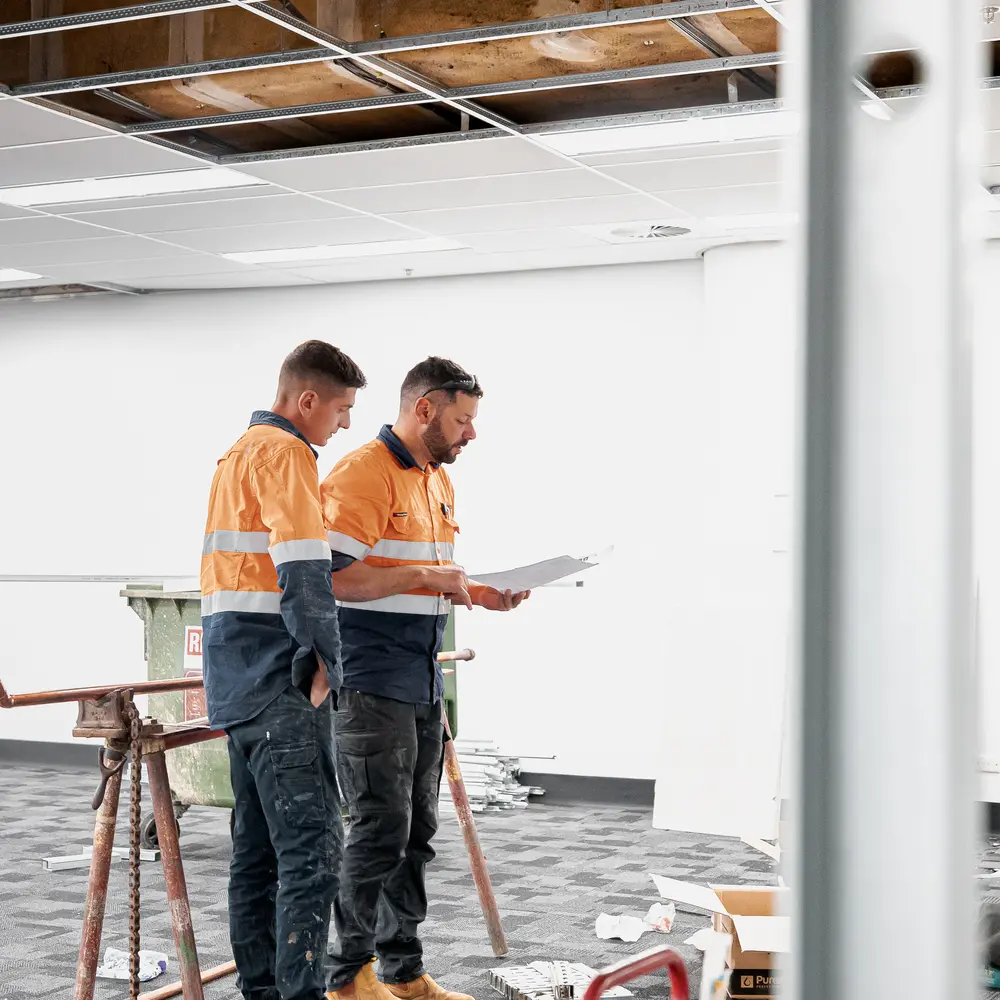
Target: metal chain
x,y
134,832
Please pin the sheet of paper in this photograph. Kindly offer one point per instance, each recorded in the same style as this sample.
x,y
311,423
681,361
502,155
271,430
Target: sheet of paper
x,y
692,895
536,575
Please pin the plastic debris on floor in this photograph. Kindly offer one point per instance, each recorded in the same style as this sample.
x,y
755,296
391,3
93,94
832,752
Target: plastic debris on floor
x,y
547,981
628,928
492,778
115,965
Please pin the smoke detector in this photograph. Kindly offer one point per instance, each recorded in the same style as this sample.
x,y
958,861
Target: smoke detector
x,y
656,232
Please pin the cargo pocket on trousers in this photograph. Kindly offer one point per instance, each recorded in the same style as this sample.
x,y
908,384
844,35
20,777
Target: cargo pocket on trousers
x,y
299,785
352,773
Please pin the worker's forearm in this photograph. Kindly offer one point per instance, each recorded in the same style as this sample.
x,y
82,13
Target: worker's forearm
x,y
477,591
361,582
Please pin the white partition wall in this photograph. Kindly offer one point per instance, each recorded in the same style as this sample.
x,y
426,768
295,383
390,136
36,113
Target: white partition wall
x,y
726,657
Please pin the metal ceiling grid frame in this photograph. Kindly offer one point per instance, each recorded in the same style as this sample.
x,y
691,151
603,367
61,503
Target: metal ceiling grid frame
x,y
423,91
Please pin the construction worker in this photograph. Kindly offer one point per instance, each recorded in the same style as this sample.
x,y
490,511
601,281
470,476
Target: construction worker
x,y
271,650
389,509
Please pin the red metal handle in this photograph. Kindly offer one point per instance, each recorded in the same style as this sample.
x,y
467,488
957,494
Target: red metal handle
x,y
642,965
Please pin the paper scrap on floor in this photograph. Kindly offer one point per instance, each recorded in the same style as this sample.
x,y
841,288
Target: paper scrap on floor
x,y
115,965
659,918
537,574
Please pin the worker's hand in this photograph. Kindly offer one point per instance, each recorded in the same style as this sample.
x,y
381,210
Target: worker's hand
x,y
501,600
320,689
450,581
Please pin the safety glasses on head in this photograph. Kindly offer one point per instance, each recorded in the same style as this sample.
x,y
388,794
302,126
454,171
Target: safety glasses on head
x,y
465,383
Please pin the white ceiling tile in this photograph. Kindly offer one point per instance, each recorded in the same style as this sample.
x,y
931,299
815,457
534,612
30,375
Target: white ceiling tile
x,y
35,255
712,171
284,235
525,239
992,148
254,279
77,208
754,199
21,124
16,212
43,229
694,151
441,161
115,156
537,215
476,191
159,267
206,215
25,283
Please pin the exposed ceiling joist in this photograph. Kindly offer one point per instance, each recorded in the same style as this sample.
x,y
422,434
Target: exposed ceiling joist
x,y
566,81
137,12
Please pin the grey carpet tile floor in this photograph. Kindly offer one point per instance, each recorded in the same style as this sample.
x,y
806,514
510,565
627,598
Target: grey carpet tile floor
x,y
554,869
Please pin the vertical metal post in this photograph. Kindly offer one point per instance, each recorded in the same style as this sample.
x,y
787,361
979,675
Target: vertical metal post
x,y
173,875
885,843
97,889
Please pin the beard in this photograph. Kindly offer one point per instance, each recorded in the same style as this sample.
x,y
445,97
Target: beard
x,y
441,450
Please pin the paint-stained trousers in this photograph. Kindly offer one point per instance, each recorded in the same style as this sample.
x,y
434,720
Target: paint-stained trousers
x,y
389,758
287,843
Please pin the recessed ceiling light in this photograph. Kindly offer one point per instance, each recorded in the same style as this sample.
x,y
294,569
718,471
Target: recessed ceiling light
x,y
134,186
13,274
377,249
685,132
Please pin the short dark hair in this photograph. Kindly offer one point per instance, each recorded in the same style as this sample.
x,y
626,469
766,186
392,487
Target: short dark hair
x,y
439,373
317,361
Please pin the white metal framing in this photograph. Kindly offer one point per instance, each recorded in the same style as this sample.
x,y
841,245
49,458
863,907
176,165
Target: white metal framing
x,y
885,795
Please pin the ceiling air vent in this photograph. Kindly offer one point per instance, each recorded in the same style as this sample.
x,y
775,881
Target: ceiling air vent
x,y
648,232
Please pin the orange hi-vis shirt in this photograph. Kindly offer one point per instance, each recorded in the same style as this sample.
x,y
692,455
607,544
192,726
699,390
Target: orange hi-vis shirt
x,y
267,605
382,508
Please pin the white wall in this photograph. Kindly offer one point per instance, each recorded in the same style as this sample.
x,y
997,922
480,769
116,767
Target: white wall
x,y
117,409
728,655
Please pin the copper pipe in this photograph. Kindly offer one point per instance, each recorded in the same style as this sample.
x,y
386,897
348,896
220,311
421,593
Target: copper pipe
x,y
185,738
175,989
97,890
144,687
477,860
88,693
458,654
173,875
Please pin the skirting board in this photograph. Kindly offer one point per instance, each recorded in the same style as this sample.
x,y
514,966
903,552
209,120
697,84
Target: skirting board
x,y
558,787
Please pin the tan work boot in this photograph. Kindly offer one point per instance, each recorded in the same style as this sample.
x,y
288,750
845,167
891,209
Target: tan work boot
x,y
364,987
424,988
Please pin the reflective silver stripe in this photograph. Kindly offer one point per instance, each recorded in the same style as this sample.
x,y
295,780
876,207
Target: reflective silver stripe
x,y
300,549
349,546
235,541
404,604
417,551
255,602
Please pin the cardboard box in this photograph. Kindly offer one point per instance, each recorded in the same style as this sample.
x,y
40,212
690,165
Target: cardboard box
x,y
752,916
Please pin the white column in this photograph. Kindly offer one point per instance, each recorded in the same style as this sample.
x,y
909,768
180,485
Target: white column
x,y
883,874
725,647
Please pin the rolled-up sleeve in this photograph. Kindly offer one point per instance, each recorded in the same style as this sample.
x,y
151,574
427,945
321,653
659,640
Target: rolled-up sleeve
x,y
356,504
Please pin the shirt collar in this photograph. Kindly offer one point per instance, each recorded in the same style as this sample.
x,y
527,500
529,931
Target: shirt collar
x,y
274,420
399,450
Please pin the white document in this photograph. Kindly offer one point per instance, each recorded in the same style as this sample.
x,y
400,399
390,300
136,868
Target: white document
x,y
536,575
693,895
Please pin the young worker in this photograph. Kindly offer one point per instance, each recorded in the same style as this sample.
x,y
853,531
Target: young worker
x,y
271,652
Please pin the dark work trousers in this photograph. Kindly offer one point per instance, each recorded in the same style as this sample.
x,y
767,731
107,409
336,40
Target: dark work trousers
x,y
287,843
389,757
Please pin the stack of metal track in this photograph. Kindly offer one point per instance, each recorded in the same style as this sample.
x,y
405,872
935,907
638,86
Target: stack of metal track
x,y
547,981
492,778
